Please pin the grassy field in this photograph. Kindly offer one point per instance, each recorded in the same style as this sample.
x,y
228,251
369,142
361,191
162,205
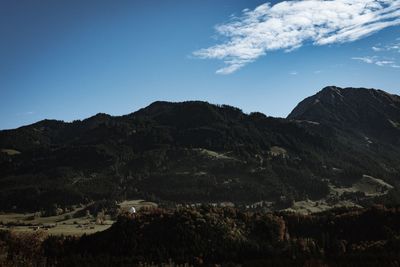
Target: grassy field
x,y
370,186
10,152
309,206
64,224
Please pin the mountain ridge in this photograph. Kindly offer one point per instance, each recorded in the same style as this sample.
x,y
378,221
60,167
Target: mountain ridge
x,y
160,103
194,151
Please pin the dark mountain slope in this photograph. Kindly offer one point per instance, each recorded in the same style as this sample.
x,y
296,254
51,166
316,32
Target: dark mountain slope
x,y
368,112
367,120
193,152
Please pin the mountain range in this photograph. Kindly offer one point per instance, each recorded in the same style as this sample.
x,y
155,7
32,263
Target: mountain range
x,y
340,145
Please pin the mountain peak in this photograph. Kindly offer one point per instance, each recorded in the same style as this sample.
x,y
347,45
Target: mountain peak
x,y
189,113
331,88
99,117
369,111
158,107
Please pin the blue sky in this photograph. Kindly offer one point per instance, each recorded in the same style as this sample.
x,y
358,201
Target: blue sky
x,y
71,59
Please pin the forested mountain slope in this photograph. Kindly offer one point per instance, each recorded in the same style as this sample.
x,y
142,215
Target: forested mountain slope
x,y
198,152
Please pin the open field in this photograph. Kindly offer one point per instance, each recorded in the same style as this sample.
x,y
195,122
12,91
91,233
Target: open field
x,y
309,206
66,223
10,152
368,185
61,229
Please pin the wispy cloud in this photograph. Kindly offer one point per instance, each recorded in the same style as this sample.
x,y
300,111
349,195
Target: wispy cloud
x,y
377,61
290,24
376,49
392,47
369,60
26,113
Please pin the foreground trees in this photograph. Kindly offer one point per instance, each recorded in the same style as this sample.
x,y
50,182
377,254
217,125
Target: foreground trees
x,y
207,235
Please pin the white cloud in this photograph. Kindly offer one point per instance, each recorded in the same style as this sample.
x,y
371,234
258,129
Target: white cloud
x,y
290,24
26,113
384,63
377,61
377,49
392,47
293,73
369,60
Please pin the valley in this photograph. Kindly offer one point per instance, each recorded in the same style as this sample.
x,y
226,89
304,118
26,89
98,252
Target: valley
x,y
75,222
77,178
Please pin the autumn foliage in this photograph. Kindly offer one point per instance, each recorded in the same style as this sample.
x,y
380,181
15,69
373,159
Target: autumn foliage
x,y
226,236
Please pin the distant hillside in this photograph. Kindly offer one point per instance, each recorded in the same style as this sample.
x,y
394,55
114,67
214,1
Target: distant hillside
x,y
198,152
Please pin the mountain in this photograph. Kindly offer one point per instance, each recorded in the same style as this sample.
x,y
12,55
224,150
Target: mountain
x,y
196,152
365,112
368,120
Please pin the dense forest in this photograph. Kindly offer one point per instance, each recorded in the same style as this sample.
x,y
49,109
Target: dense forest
x,y
209,236
196,152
